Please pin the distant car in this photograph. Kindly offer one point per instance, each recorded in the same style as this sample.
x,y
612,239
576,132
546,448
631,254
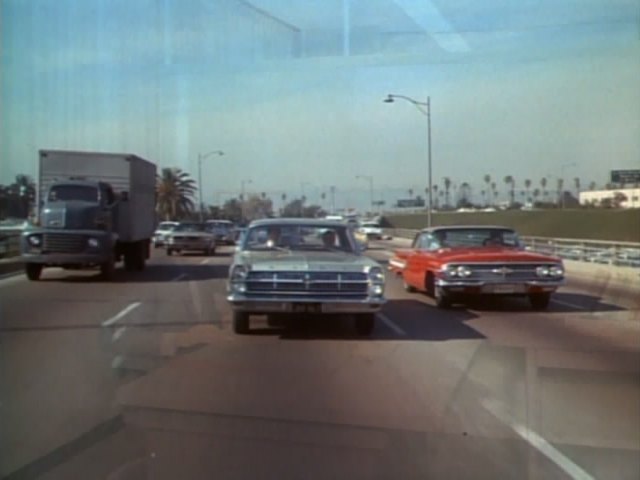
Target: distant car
x,y
303,266
371,230
454,264
161,232
190,236
223,231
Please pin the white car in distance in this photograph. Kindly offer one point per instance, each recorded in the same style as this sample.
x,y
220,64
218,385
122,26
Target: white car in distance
x,y
160,235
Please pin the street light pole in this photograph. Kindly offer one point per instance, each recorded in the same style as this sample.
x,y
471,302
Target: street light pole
x,y
370,179
427,112
200,158
242,183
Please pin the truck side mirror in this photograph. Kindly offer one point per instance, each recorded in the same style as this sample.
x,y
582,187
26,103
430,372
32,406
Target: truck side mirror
x,y
124,196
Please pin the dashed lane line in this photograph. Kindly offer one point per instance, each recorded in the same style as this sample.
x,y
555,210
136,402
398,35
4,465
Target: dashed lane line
x,y
392,325
121,314
538,442
179,277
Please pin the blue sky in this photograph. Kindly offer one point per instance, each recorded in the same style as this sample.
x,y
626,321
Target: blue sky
x,y
517,88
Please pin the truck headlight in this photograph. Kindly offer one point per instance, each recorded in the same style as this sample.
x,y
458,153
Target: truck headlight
x,y
376,275
93,242
34,240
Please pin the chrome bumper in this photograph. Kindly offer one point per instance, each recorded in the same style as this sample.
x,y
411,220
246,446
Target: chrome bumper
x,y
189,245
498,287
249,304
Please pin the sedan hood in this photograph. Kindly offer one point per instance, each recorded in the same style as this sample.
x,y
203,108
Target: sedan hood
x,y
304,261
491,254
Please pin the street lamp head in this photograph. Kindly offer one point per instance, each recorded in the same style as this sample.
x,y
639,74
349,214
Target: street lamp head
x,y
389,99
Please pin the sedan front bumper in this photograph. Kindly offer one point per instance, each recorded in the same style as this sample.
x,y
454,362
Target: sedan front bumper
x,y
319,305
475,287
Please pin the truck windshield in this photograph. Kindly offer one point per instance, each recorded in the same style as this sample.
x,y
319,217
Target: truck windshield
x,y
84,193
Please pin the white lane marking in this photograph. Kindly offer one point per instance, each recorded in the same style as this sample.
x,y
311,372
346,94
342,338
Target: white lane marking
x,y
117,361
397,263
205,261
567,304
179,277
387,321
118,316
118,333
536,441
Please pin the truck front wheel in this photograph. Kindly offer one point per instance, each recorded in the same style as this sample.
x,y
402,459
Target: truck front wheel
x,y
107,269
33,271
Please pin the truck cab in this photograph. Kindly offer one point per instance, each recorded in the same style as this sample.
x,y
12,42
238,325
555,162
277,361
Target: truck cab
x,y
93,218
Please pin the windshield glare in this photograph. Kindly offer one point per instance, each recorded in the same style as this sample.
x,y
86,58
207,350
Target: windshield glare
x,y
190,227
83,193
461,238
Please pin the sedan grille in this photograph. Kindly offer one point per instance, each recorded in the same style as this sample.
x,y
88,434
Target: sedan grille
x,y
504,271
349,284
63,243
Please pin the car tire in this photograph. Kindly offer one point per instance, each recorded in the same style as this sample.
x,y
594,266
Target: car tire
x,y
443,300
107,269
240,323
33,271
408,288
539,301
365,323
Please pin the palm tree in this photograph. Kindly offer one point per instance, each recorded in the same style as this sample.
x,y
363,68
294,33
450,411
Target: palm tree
x,y
24,189
410,192
543,184
494,191
536,194
509,180
487,180
527,186
447,187
435,194
576,183
560,185
464,193
592,185
484,196
175,192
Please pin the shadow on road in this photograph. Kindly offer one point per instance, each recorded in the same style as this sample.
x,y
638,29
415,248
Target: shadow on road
x,y
401,320
561,303
151,274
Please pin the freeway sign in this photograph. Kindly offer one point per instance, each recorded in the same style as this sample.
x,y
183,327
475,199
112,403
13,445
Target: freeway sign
x,y
625,176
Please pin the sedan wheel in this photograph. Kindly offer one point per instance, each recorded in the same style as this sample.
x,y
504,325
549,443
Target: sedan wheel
x,y
240,323
443,300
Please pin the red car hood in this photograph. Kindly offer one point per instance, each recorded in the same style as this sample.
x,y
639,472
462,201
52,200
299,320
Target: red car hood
x,y
491,254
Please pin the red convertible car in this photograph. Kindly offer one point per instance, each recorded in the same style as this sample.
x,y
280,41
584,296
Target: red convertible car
x,y
454,264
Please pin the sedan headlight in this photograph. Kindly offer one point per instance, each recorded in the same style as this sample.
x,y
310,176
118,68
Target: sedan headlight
x,y
458,271
34,240
239,273
555,271
376,281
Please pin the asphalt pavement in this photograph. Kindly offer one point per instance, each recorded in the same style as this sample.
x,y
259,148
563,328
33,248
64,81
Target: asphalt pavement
x,y
142,378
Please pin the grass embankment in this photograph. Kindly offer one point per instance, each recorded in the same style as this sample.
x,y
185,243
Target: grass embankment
x,y
613,225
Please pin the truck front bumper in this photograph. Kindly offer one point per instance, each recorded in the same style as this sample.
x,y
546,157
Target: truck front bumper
x,y
60,259
319,305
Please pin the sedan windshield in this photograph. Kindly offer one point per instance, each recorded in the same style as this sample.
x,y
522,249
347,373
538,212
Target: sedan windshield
x,y
190,227
477,237
298,237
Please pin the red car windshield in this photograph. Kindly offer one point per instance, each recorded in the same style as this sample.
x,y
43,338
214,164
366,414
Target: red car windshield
x,y
476,237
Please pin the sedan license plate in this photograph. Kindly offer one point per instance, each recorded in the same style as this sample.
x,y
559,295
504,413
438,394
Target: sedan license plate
x,y
506,288
306,307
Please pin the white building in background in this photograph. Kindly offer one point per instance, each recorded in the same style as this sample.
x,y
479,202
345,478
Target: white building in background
x,y
597,196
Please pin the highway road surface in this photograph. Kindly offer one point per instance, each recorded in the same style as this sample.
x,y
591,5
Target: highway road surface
x,y
143,379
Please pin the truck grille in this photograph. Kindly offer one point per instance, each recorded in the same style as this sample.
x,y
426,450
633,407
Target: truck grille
x,y
63,243
343,284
